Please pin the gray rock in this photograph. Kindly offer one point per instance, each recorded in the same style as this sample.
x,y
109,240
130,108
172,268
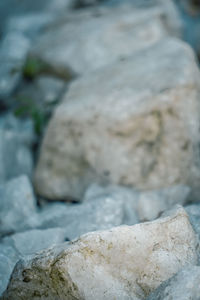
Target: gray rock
x,y
194,215
152,203
102,37
13,51
127,262
16,140
8,258
128,196
114,127
32,241
17,204
184,285
102,213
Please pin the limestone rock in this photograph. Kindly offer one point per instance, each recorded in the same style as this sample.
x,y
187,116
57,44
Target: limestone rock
x,y
102,36
128,124
17,204
193,212
127,262
184,285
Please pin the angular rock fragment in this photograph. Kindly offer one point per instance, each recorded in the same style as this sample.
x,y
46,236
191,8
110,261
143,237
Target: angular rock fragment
x,y
152,203
129,124
127,262
184,285
17,205
31,241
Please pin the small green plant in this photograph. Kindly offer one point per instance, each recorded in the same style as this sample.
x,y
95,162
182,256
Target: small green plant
x,y
32,68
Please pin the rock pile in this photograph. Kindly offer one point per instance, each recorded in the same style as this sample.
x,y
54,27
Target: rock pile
x,y
101,202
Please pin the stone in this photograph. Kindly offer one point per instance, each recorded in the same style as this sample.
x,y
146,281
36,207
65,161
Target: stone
x,y
102,213
119,193
31,241
127,262
103,35
8,258
17,204
152,203
193,212
16,140
112,127
184,285
13,51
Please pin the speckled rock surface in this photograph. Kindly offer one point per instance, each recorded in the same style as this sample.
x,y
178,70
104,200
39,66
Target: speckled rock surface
x,y
127,262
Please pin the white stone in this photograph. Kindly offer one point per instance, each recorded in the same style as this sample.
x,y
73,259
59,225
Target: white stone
x,y
127,262
127,124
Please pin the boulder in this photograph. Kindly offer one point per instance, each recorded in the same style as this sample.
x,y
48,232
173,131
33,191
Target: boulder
x,y
127,262
184,285
132,123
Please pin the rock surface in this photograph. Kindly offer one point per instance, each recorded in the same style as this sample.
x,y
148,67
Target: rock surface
x,y
184,285
103,36
193,212
121,263
152,203
17,205
16,140
129,123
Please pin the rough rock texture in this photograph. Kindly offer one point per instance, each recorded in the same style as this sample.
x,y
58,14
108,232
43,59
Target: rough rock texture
x,y
184,285
122,263
17,205
129,123
103,36
32,241
152,203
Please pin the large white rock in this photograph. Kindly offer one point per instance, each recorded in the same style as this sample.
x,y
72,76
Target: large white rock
x,y
87,40
122,263
135,123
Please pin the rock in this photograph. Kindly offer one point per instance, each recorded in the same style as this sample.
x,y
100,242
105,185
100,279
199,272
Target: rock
x,y
184,285
114,127
13,8
118,193
16,140
32,241
152,203
127,262
103,35
8,258
13,51
193,212
17,204
101,213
